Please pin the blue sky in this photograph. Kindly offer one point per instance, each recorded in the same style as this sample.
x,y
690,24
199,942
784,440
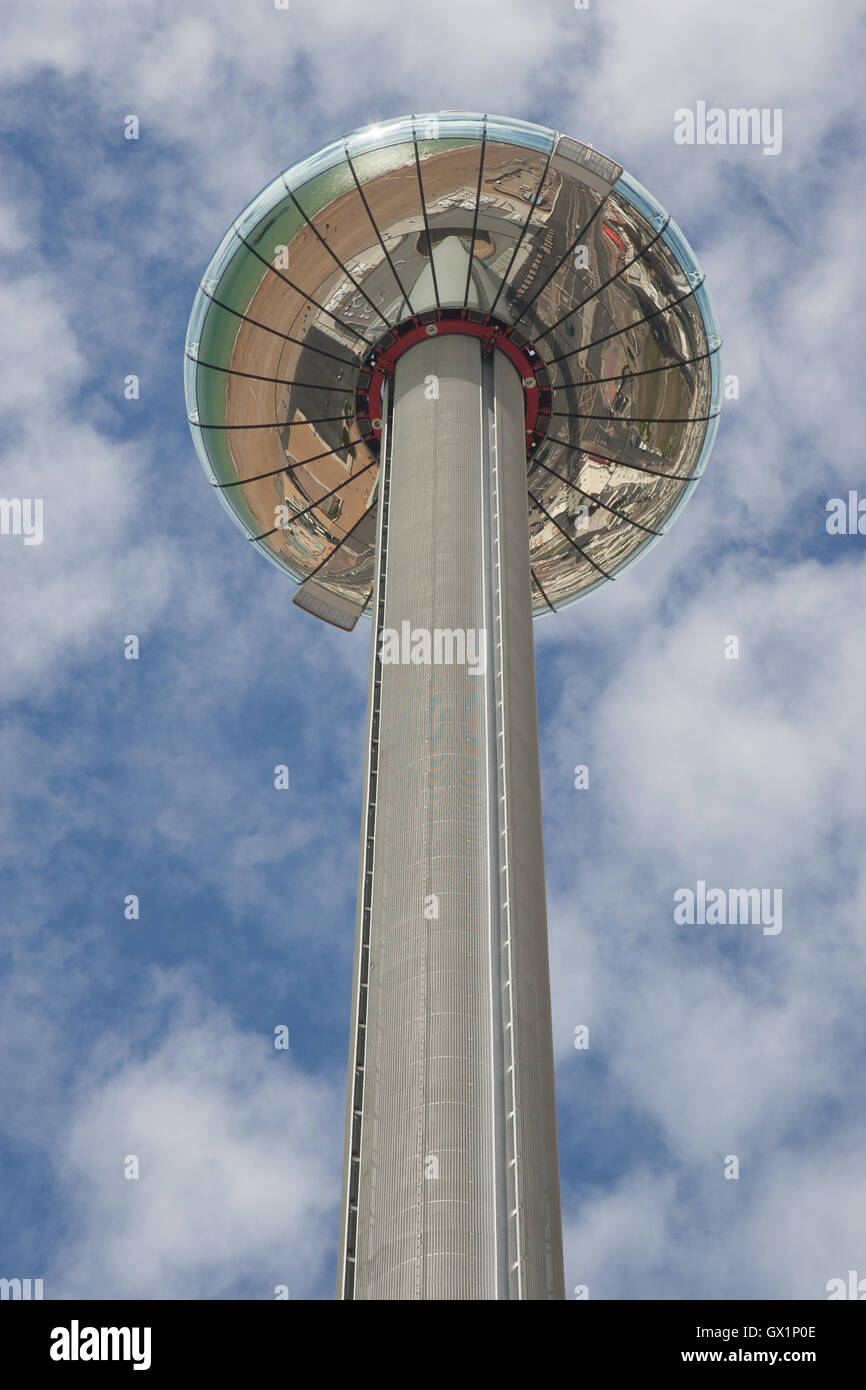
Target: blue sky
x,y
154,1037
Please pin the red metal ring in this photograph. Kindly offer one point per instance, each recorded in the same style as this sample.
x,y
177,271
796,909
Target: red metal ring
x,y
382,358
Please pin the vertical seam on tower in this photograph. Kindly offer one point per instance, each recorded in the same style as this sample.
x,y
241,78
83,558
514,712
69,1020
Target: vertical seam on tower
x,y
358,1068
422,1094
494,949
502,904
506,915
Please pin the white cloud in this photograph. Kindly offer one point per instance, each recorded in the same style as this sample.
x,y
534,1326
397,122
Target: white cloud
x,y
779,1232
239,1153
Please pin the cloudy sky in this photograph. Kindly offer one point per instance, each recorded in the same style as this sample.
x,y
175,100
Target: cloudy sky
x,y
154,777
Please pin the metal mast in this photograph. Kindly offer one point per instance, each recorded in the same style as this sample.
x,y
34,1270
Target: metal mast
x,y
451,1183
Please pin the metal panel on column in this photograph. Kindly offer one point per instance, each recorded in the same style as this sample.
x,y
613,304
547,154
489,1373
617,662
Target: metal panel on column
x,y
442,1200
426,1135
536,1268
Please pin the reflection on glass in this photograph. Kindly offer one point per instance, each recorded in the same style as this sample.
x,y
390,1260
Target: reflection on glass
x,y
569,253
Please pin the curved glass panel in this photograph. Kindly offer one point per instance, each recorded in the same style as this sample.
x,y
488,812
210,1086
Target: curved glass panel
x,y
227,249
534,137
315,164
640,198
449,125
477,220
380,137
683,252
255,213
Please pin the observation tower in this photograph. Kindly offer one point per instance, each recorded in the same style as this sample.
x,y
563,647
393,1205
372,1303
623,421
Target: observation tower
x,y
452,372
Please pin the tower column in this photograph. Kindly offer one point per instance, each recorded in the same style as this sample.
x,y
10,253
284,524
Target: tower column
x,y
451,1184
